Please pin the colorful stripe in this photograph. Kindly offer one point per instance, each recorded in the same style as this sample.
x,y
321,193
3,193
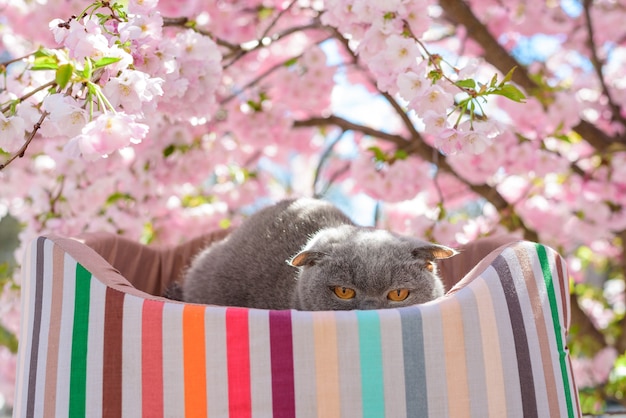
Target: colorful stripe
x,y
558,331
454,352
495,396
283,388
414,362
78,376
112,373
237,342
392,358
194,361
371,364
58,266
36,327
152,358
131,357
328,400
496,347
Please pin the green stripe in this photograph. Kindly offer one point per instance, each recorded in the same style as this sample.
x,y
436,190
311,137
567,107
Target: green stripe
x,y
372,390
547,274
78,373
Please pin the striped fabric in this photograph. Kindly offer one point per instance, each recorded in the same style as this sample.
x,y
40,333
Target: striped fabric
x,y
495,346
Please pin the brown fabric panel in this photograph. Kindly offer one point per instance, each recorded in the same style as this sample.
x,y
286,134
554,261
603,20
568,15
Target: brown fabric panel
x,y
175,260
149,269
453,269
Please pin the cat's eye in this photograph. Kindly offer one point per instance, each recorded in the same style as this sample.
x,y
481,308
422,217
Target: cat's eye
x,y
398,295
343,292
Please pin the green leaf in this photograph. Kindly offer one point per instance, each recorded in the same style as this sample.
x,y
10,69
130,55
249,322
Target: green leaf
x,y
467,83
493,81
45,62
43,52
434,75
511,92
8,339
88,70
509,76
379,155
401,155
103,62
64,75
291,62
169,150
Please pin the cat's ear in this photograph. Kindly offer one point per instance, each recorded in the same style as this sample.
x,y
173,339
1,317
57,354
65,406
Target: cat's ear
x,y
306,258
433,252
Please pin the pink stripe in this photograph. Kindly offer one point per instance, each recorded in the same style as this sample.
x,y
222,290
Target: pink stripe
x,y
152,358
238,353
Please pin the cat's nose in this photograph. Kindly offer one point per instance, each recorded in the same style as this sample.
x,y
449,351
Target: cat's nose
x,y
369,304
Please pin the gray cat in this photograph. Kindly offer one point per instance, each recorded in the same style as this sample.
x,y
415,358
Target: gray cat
x,y
306,254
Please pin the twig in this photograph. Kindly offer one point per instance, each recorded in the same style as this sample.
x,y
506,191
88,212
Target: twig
x,y
267,41
31,93
325,155
20,153
262,76
278,16
598,64
459,13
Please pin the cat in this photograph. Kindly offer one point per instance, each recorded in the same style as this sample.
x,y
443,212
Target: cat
x,y
306,254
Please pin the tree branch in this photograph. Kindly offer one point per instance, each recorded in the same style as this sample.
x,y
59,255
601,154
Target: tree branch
x,y
20,153
597,63
417,146
460,13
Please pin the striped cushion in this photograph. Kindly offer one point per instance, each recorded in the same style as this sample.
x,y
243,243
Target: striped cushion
x,y
92,345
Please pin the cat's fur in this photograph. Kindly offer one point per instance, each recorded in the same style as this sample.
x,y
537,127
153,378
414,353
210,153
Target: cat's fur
x,y
292,255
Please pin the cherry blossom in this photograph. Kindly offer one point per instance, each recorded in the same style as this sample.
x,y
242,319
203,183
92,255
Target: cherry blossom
x,y
162,119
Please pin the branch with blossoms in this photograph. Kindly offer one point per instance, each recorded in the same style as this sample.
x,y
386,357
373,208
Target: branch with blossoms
x,y
598,65
494,53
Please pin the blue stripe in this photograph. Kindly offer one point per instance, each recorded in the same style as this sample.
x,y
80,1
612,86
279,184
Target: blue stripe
x,y
414,363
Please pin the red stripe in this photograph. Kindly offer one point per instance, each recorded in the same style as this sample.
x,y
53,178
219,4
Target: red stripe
x,y
238,346
152,358
283,392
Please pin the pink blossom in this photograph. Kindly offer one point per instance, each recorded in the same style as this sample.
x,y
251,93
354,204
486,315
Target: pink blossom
x,y
434,98
401,51
12,132
85,40
449,141
142,6
411,85
107,133
132,89
66,117
142,27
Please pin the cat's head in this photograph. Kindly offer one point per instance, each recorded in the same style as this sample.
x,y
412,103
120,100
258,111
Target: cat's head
x,y
351,267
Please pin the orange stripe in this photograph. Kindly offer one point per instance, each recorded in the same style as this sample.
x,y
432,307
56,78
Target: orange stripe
x,y
194,361
326,364
456,363
496,395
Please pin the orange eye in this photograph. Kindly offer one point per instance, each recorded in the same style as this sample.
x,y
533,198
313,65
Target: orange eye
x,y
343,292
398,295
